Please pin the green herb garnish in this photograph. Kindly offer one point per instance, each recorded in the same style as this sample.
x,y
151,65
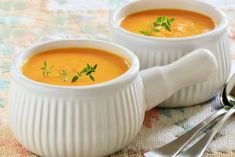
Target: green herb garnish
x,y
64,74
46,71
88,70
92,77
75,78
147,33
158,25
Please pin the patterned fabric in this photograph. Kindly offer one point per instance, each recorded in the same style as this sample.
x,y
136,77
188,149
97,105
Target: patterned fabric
x,y
25,22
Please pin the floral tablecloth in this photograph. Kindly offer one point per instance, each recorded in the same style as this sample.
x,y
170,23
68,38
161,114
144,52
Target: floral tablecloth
x,y
23,22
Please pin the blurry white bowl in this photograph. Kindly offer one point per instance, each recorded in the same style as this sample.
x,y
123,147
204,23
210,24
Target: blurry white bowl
x,y
156,51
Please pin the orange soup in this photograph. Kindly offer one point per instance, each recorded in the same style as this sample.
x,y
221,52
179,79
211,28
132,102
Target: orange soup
x,y
167,23
74,66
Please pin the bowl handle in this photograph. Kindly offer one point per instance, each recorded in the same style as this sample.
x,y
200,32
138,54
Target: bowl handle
x,y
161,82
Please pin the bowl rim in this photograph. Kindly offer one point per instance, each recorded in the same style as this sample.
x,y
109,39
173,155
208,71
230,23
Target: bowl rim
x,y
218,29
129,75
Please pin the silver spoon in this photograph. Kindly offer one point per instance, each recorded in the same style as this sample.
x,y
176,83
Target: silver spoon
x,y
199,148
174,147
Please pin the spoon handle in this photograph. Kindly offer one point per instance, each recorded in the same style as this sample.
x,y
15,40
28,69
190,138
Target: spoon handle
x,y
174,147
199,148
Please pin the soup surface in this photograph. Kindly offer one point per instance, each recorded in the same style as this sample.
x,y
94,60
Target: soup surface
x,y
180,23
74,66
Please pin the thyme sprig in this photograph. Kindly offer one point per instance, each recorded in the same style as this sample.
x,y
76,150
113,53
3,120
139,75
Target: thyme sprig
x,y
160,23
64,74
88,70
46,70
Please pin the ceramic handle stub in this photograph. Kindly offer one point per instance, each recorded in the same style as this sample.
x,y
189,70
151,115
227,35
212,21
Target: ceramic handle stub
x,y
161,82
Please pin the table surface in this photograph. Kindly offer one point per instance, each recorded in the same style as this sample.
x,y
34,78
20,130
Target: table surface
x,y
24,22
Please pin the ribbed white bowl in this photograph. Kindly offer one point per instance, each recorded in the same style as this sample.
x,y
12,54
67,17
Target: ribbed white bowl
x,y
63,126
161,51
95,120
58,121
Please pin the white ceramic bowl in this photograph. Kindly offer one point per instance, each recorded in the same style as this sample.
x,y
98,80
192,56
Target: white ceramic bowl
x,y
154,51
95,120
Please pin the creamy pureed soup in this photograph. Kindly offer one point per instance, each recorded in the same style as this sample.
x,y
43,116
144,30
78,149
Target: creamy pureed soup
x,y
167,23
74,66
